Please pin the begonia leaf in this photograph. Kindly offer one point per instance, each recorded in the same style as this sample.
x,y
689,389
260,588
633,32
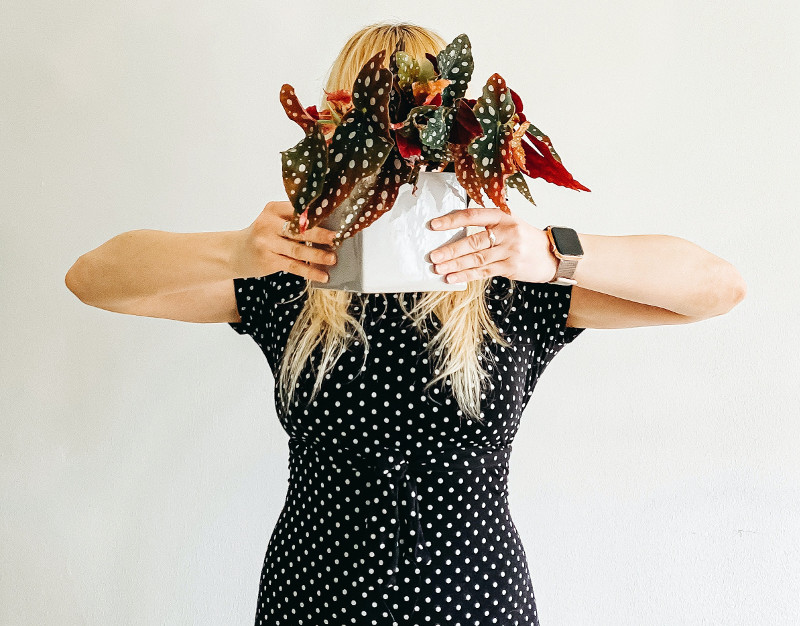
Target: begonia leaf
x,y
304,169
540,162
442,154
295,111
517,150
424,93
492,151
517,180
543,161
359,146
378,197
407,69
465,126
455,64
466,173
434,61
408,144
437,130
427,72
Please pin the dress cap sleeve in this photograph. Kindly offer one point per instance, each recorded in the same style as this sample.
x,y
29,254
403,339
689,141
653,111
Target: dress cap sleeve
x,y
546,307
252,300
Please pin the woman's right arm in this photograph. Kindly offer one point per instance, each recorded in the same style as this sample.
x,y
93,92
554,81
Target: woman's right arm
x,y
189,276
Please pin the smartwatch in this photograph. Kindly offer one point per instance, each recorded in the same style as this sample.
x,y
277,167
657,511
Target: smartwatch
x,y
566,246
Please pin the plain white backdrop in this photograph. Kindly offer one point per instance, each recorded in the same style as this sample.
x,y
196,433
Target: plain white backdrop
x,y
656,475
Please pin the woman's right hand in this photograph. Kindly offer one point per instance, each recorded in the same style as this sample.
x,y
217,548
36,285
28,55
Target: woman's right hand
x,y
264,250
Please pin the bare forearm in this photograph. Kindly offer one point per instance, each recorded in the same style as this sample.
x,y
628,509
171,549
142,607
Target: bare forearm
x,y
659,270
143,263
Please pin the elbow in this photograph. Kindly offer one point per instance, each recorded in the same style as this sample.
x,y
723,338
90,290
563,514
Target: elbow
x,y
725,289
75,280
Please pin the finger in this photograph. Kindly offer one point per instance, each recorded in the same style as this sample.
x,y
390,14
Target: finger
x,y
317,234
476,242
471,260
309,271
298,250
468,217
499,268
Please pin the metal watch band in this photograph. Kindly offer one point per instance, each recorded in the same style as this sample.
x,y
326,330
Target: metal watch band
x,y
566,267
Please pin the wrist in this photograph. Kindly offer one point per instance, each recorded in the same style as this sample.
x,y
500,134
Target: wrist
x,y
552,259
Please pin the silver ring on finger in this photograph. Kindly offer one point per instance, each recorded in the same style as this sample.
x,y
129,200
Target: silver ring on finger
x,y
285,228
492,237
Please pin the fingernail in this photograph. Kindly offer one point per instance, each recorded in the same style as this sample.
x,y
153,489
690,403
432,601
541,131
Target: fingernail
x,y
435,223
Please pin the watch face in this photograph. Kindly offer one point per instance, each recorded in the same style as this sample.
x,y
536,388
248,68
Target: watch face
x,y
566,240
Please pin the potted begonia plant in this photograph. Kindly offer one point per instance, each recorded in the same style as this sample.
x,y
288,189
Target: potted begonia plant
x,y
405,141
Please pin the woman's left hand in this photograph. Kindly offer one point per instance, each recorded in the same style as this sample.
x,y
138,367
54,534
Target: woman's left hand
x,y
521,251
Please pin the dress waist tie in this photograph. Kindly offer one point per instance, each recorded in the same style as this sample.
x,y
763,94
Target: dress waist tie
x,y
400,472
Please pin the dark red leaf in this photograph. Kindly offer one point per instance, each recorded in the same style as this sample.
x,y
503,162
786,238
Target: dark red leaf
x,y
408,146
517,105
466,126
540,163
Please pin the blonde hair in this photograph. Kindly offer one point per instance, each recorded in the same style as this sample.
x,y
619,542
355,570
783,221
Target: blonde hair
x,y
463,316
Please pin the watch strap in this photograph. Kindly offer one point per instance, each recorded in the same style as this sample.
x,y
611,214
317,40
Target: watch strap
x,y
566,267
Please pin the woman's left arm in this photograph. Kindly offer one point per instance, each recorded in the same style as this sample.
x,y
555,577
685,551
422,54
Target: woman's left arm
x,y
623,281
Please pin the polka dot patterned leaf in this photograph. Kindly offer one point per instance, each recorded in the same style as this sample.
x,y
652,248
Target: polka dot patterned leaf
x,y
381,196
494,160
431,155
295,110
517,181
304,169
455,64
437,130
345,214
371,91
359,146
407,69
418,117
466,173
355,151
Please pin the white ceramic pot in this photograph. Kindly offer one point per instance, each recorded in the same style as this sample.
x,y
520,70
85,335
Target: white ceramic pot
x,y
391,255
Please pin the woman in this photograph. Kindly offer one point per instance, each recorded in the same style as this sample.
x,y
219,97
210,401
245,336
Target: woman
x,y
400,420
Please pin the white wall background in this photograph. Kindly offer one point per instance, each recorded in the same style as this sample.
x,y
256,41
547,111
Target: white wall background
x,y
142,465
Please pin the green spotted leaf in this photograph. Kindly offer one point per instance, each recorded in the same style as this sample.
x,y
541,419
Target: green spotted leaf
x,y
303,169
492,151
437,130
455,64
360,144
407,69
517,181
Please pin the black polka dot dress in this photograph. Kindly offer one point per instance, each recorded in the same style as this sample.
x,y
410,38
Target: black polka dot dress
x,y
396,511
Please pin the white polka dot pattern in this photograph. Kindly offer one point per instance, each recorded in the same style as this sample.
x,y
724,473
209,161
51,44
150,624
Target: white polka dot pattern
x,y
397,508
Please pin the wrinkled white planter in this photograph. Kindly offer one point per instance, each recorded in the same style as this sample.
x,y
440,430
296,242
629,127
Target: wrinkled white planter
x,y
391,255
